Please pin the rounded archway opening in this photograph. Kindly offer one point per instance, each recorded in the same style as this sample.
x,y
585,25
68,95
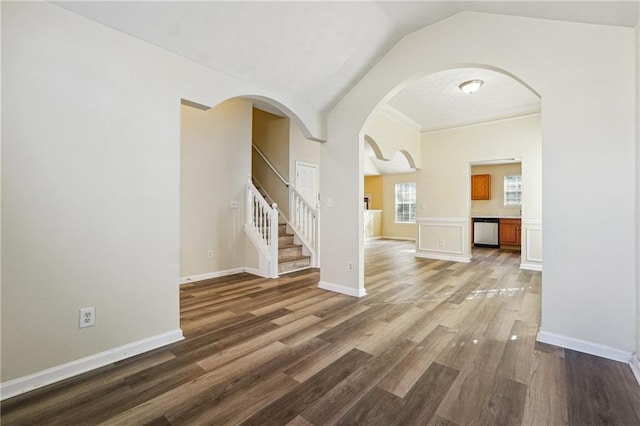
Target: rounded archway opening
x,y
456,131
231,147
375,162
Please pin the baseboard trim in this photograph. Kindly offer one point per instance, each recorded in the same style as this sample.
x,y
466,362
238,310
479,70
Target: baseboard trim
x,y
55,374
635,366
439,256
253,271
531,266
337,288
209,275
584,346
386,237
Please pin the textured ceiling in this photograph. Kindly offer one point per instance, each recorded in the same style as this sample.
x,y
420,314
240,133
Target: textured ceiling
x,y
312,52
436,102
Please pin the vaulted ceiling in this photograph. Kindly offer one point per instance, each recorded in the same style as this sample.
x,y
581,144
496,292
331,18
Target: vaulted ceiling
x,y
315,52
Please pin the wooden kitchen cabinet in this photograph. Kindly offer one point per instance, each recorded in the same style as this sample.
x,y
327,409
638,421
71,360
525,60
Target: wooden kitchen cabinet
x,y
510,232
481,187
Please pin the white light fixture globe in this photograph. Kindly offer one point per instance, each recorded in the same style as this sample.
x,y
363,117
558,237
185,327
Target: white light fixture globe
x,y
471,86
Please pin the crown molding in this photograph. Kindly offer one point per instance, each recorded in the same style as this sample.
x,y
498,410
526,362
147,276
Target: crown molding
x,y
395,115
496,119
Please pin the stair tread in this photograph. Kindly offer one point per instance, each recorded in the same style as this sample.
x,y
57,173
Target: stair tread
x,y
288,246
293,259
290,260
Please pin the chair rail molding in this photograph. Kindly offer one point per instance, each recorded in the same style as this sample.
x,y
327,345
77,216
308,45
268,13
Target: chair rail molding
x,y
531,257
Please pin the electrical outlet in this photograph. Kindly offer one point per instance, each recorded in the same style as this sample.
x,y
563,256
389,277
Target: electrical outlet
x,y
441,243
87,317
234,204
210,254
350,266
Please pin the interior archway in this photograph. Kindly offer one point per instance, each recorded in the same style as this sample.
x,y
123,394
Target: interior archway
x,y
505,97
578,125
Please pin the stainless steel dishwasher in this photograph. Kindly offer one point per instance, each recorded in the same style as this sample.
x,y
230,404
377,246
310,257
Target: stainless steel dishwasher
x,y
486,232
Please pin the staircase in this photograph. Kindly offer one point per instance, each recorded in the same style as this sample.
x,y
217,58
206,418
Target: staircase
x,y
290,256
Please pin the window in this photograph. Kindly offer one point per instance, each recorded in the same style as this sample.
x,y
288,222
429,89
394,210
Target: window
x,y
406,202
513,190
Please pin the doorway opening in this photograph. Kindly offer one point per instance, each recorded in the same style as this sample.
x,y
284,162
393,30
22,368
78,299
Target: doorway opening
x,y
496,205
448,131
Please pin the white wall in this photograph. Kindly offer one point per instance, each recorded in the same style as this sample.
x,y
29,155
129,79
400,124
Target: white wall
x,y
444,194
342,193
90,183
215,161
392,135
302,150
588,287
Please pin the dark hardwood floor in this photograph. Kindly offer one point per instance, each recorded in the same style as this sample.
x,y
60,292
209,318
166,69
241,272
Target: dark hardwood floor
x,y
433,343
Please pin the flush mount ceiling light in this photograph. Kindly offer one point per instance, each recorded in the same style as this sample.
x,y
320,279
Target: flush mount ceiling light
x,y
471,86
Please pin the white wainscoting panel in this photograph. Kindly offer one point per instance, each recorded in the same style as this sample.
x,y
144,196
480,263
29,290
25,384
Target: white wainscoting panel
x,y
531,245
443,238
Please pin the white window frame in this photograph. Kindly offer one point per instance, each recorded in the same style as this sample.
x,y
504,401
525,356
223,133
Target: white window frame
x,y
407,192
513,191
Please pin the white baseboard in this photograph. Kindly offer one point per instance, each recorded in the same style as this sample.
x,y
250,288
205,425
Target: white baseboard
x,y
585,346
253,271
217,274
635,366
440,256
531,266
342,289
386,237
55,374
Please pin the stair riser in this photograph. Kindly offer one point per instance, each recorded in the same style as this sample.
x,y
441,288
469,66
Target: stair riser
x,y
292,266
290,258
289,252
285,240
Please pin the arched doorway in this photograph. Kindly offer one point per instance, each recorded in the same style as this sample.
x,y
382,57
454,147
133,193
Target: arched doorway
x,y
217,153
577,125
493,131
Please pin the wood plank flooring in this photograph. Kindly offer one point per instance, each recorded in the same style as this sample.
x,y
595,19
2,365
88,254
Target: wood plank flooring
x,y
433,343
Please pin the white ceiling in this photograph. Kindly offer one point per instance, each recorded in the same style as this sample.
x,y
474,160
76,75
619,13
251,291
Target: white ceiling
x,y
436,102
312,52
315,52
